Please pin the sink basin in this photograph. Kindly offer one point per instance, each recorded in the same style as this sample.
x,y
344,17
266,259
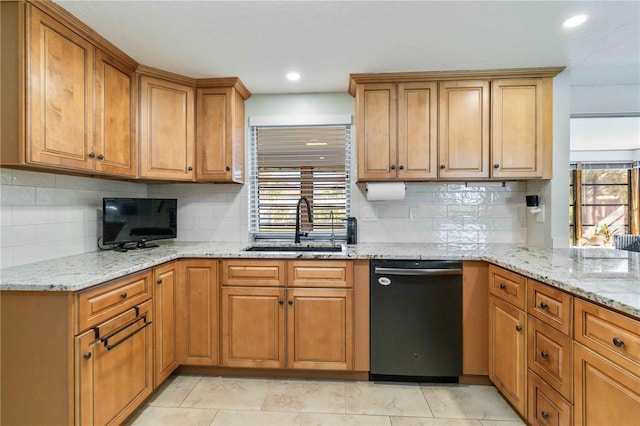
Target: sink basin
x,y
324,249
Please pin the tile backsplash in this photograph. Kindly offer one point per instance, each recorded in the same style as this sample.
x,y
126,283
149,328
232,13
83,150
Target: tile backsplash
x,y
445,213
45,216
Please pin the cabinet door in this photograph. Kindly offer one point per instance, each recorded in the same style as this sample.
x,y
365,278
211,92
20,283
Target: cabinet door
x,y
165,302
418,131
464,129
507,357
605,394
112,383
517,141
199,293
220,135
320,329
376,133
252,327
115,142
167,140
59,94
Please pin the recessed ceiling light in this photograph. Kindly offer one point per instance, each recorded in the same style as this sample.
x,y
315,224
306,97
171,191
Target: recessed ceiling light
x,y
293,76
575,21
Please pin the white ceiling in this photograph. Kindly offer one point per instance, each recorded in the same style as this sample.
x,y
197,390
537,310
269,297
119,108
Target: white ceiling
x,y
260,41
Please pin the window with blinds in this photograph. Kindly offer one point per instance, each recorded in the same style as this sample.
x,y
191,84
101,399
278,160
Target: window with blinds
x,y
290,162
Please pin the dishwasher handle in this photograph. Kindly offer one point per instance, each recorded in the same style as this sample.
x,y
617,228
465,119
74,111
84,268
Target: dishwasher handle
x,y
418,271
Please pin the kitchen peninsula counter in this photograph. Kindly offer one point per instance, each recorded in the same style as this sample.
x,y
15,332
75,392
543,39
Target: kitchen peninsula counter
x,y
607,276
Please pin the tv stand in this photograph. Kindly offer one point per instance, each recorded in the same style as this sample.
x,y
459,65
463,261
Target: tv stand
x,y
122,247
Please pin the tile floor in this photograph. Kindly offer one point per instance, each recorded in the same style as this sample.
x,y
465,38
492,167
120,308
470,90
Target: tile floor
x,y
197,400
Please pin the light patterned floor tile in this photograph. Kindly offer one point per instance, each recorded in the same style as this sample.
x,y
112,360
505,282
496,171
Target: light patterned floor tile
x,y
256,418
174,390
467,402
155,416
432,421
228,393
305,396
386,399
314,419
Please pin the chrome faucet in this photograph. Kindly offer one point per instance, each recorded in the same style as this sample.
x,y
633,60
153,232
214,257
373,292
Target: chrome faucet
x,y
309,216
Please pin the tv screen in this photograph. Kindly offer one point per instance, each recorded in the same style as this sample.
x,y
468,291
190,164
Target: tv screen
x,y
127,220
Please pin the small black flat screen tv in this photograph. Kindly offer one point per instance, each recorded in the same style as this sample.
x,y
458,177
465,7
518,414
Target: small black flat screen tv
x,y
138,220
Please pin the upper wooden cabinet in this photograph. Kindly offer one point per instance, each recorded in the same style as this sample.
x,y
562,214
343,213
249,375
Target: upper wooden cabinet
x,y
462,125
398,131
220,131
464,129
115,148
521,128
167,133
67,95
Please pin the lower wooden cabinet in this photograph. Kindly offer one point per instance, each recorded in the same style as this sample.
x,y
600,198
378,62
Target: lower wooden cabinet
x,y
507,351
320,329
605,394
114,373
198,323
252,324
167,311
545,406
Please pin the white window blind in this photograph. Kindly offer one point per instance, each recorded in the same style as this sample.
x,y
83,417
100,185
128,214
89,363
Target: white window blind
x,y
289,162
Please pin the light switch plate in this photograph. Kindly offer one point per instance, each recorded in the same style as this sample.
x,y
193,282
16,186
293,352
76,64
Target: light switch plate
x,y
369,214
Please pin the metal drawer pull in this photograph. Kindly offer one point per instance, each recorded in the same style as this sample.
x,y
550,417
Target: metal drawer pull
x,y
106,338
544,415
543,305
518,328
617,342
503,286
410,271
544,355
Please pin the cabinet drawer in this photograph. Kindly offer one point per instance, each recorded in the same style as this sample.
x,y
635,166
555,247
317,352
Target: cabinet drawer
x,y
507,285
551,306
546,406
252,272
100,304
612,335
549,356
319,273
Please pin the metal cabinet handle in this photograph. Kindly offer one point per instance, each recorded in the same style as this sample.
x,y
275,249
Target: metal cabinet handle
x,y
543,305
228,168
617,342
189,168
393,167
496,166
544,355
87,355
92,155
290,302
100,157
124,295
281,302
159,280
544,415
503,286
442,166
401,167
518,328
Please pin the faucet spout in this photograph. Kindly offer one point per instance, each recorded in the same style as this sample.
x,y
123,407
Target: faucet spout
x,y
309,216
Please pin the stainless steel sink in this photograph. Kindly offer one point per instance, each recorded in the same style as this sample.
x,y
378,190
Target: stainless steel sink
x,y
295,248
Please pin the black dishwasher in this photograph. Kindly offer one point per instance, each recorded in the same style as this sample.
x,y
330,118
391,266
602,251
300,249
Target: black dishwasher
x,y
416,320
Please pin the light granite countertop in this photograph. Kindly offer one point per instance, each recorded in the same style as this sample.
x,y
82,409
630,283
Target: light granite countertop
x,y
607,276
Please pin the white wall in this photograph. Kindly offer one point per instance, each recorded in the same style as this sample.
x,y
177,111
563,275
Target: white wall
x,y
605,99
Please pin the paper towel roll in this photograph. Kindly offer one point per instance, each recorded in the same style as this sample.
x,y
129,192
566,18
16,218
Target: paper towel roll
x,y
378,191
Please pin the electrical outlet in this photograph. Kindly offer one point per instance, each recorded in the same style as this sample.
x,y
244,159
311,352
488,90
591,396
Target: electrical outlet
x,y
413,213
369,214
